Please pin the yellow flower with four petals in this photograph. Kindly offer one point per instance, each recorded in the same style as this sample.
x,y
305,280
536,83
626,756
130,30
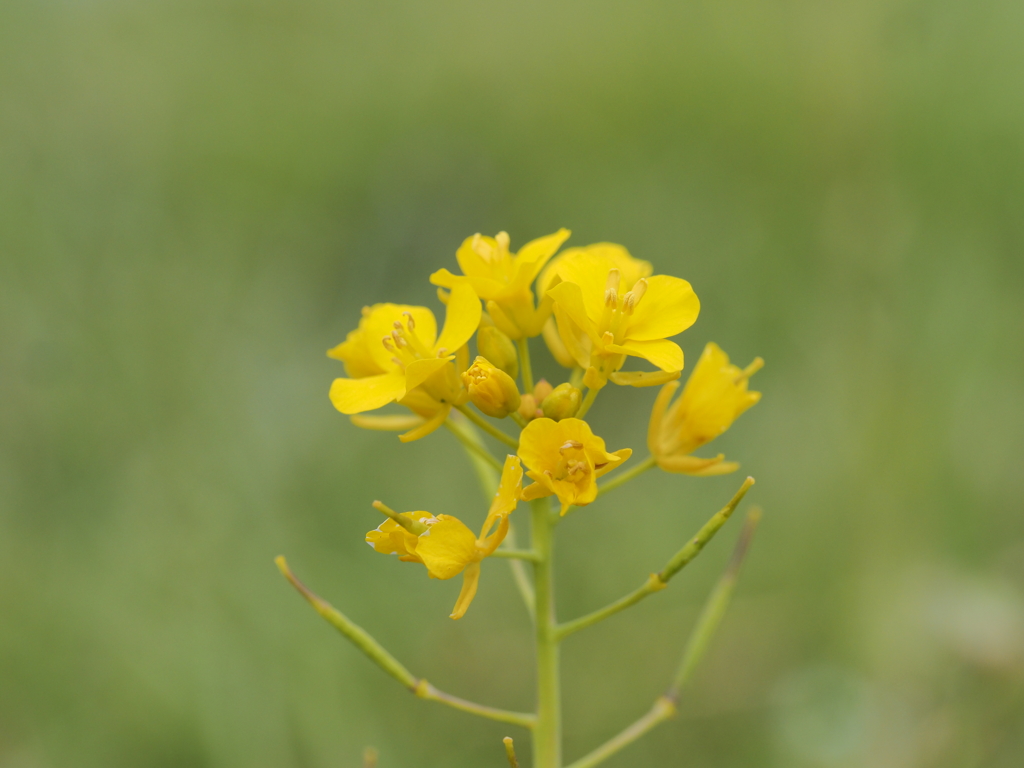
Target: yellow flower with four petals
x,y
714,397
445,545
396,355
565,458
503,281
608,306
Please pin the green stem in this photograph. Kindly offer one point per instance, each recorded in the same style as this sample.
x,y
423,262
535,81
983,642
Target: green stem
x,y
588,401
714,608
473,446
489,428
662,710
547,735
368,645
626,475
524,364
700,638
658,581
516,554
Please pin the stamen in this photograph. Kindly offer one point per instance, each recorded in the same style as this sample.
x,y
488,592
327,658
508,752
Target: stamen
x,y
442,352
631,299
570,445
411,323
611,291
396,325
503,240
399,339
751,369
482,247
398,362
388,345
365,311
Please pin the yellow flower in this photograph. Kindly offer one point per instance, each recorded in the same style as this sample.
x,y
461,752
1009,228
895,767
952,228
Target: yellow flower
x,y
491,389
608,306
396,355
565,458
503,281
714,396
445,545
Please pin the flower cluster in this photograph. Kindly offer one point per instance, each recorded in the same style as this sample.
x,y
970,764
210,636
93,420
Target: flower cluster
x,y
595,307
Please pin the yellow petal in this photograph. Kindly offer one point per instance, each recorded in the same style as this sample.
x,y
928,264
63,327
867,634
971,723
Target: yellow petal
x,y
447,547
663,353
381,322
503,322
509,490
395,423
474,264
426,427
614,460
470,581
419,371
655,425
575,340
461,320
357,395
643,378
694,465
556,345
485,287
536,490
535,254
669,306
569,299
355,353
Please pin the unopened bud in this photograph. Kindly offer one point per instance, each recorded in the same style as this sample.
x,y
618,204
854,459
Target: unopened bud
x,y
498,348
528,407
491,389
563,402
542,390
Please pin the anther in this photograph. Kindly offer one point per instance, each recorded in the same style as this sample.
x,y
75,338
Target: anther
x,y
411,323
396,325
570,445
388,345
503,240
751,369
631,299
399,339
442,352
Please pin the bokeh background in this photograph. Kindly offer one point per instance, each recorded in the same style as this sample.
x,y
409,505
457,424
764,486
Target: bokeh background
x,y
196,198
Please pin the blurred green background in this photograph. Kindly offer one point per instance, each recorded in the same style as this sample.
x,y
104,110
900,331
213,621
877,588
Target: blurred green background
x,y
197,198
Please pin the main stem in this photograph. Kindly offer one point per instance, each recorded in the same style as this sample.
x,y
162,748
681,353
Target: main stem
x,y
547,735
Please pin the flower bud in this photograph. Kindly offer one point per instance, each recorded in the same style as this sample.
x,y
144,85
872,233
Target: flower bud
x,y
542,390
498,349
528,407
491,389
563,402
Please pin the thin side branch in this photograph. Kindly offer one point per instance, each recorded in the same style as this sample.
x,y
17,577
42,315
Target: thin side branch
x,y
478,450
658,581
515,554
626,475
368,645
489,428
700,638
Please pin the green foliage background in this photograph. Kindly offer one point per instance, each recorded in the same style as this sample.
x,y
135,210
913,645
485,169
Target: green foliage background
x,y
197,198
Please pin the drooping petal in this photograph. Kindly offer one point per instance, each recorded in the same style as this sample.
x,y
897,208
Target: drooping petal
x,y
492,542
509,490
663,353
391,423
461,319
642,378
694,465
669,306
427,426
537,489
447,547
358,395
470,581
